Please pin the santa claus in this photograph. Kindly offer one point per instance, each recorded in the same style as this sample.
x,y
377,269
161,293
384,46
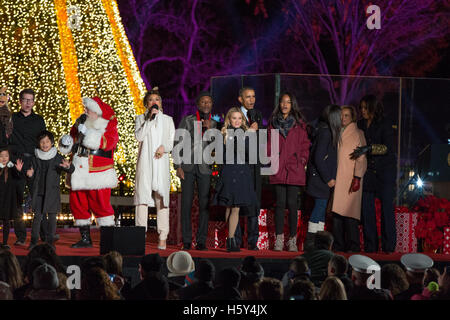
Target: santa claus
x,y
92,141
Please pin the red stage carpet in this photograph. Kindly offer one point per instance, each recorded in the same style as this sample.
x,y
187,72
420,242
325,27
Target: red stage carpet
x,y
70,236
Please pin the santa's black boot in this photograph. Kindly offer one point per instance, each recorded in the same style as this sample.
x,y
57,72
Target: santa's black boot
x,y
85,241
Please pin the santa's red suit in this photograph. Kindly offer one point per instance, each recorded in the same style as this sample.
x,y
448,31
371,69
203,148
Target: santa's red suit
x,y
94,175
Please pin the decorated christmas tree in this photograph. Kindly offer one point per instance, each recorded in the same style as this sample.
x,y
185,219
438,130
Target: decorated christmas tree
x,y
66,50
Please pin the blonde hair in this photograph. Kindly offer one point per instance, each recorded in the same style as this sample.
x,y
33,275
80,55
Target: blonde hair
x,y
332,289
154,90
352,111
227,122
3,93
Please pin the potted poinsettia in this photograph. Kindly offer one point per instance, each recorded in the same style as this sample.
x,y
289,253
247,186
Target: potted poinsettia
x,y
434,216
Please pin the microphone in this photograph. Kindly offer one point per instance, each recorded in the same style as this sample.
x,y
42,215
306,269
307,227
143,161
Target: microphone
x,y
251,115
155,106
80,120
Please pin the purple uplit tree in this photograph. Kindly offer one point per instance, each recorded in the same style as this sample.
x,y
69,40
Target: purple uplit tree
x,y
339,27
178,47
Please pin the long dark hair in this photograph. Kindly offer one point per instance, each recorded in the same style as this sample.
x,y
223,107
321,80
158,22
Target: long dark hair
x,y
295,110
331,115
373,105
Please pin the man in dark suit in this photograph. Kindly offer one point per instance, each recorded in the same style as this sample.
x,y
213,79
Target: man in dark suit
x,y
190,173
253,119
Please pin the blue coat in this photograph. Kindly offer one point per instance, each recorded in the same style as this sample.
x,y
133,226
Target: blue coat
x,y
322,163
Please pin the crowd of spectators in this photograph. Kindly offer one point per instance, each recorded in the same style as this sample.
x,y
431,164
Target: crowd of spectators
x,y
316,275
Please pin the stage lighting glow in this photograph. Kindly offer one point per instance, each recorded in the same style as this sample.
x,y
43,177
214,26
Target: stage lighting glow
x,y
419,183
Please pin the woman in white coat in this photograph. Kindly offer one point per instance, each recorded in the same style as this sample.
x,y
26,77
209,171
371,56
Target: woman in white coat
x,y
155,132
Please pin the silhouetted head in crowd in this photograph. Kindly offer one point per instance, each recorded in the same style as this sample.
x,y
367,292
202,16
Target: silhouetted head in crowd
x,y
332,289
393,278
156,287
31,267
96,285
205,271
337,266
302,290
431,274
251,270
92,262
270,289
113,262
229,277
323,240
45,277
12,273
150,263
45,252
299,269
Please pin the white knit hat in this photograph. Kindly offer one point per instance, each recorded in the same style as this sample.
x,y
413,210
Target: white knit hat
x,y
180,263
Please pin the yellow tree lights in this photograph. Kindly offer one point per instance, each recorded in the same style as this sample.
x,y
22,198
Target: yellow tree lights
x,y
66,50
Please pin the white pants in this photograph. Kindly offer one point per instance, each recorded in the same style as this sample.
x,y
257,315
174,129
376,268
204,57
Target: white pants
x,y
162,216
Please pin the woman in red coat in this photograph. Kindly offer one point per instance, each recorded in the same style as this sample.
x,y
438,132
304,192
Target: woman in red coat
x,y
293,156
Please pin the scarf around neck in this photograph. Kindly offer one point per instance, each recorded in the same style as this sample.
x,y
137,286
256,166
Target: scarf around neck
x,y
50,154
284,125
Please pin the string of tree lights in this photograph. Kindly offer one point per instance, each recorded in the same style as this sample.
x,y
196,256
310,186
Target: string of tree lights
x,y
66,50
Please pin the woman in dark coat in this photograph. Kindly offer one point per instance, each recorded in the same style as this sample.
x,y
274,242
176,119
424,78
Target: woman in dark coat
x,y
235,187
45,173
293,144
322,166
380,178
10,177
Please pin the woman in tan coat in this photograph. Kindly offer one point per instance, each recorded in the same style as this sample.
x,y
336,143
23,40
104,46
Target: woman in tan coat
x,y
347,191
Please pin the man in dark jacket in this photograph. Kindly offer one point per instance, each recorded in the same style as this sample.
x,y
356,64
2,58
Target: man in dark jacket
x,y
253,119
227,289
27,125
150,265
190,173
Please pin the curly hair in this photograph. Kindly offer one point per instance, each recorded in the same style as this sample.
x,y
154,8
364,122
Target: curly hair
x,y
96,285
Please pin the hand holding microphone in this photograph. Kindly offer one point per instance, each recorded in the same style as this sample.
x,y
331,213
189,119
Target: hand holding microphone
x,y
154,109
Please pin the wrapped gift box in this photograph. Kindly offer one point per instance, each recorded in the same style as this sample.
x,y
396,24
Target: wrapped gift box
x,y
263,239
217,234
405,224
446,240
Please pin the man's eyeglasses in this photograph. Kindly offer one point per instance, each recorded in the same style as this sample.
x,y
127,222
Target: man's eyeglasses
x,y
27,100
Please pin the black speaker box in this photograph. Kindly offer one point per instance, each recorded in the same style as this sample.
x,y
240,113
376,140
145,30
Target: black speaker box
x,y
128,241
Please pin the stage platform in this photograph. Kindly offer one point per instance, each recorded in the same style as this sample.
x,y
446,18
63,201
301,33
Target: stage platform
x,y
274,263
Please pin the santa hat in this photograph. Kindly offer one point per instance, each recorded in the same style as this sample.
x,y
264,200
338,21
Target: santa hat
x,y
99,107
